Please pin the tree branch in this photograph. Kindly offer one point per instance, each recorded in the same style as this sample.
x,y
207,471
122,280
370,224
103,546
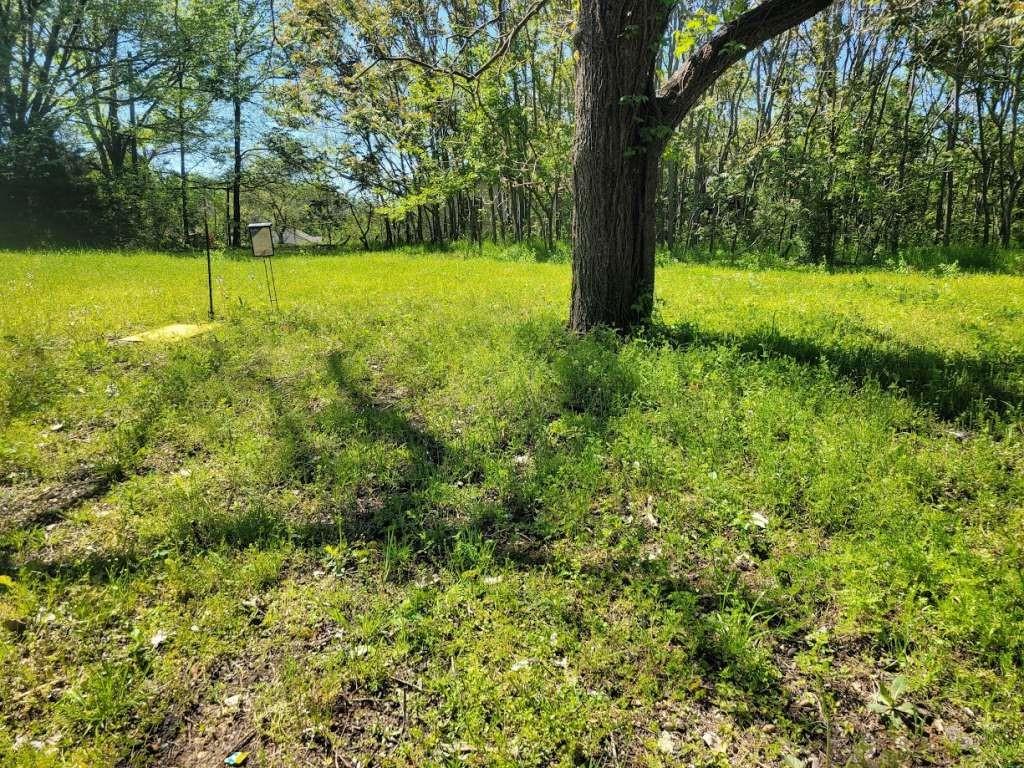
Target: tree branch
x,y
499,52
736,39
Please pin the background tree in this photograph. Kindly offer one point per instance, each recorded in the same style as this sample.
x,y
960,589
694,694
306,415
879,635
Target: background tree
x,y
832,143
245,67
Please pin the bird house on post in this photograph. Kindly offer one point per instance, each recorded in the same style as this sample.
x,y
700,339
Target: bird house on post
x,y
261,237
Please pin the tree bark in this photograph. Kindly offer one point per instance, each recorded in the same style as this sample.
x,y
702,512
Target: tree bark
x,y
622,126
616,152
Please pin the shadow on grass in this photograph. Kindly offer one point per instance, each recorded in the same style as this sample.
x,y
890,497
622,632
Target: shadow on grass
x,y
442,504
446,507
446,510
596,383
415,508
954,387
412,510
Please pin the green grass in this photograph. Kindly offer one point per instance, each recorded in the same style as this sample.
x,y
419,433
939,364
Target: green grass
x,y
409,520
939,260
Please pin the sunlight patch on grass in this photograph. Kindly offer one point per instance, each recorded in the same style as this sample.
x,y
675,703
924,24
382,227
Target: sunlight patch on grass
x,y
172,332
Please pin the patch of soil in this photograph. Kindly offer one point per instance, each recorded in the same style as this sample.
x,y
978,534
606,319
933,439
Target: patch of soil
x,y
228,709
844,730
23,505
212,729
364,727
369,725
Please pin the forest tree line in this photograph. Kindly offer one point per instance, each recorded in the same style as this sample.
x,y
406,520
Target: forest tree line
x,y
872,129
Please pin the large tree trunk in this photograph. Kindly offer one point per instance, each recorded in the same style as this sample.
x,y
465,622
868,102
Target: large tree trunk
x,y
622,126
616,151
613,238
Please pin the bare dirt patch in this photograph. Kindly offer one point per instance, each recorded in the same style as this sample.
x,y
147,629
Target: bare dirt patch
x,y
26,505
368,725
212,729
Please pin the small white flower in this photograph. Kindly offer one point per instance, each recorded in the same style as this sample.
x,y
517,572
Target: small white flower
x,y
712,741
666,743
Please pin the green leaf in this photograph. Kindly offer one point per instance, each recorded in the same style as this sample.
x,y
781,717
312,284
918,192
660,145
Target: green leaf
x,y
878,707
684,42
898,686
736,8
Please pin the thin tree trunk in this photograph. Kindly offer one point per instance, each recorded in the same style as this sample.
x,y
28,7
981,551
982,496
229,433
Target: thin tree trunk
x,y
985,171
947,223
236,177
181,140
181,166
236,104
494,223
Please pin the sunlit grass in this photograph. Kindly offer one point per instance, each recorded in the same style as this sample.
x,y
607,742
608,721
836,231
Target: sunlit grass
x,y
410,519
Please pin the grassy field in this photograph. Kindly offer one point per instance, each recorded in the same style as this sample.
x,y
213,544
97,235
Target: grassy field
x,y
409,520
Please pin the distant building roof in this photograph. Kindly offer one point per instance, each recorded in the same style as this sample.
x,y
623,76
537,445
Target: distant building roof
x,y
293,236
